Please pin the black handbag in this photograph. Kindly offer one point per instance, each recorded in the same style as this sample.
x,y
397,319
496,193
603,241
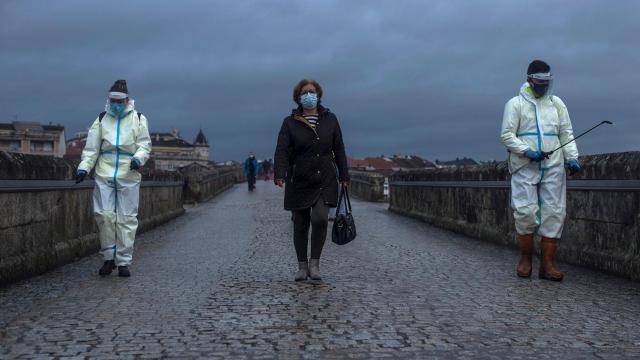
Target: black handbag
x,y
344,228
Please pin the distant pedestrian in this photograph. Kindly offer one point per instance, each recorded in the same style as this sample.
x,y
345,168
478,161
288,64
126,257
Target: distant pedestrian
x,y
304,162
251,171
118,145
266,169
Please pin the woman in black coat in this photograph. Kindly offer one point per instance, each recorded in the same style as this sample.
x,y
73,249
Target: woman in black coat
x,y
304,160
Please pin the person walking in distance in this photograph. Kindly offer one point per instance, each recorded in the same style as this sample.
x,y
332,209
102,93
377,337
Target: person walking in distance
x,y
118,145
305,166
266,169
251,171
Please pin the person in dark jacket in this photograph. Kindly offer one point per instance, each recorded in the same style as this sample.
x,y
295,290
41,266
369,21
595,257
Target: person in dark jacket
x,y
251,171
266,169
304,163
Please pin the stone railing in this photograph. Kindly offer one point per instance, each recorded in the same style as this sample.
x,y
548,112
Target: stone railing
x,y
201,186
602,229
46,220
367,185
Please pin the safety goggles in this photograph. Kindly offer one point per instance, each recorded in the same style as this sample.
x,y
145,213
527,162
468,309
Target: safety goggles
x,y
542,77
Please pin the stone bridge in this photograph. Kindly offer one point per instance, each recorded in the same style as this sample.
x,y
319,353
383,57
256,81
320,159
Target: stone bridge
x,y
216,282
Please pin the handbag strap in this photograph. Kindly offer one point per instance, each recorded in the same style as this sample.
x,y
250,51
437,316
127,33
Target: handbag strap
x,y
340,196
344,193
347,204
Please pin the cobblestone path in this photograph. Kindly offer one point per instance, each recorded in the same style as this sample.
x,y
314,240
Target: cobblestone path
x,y
217,283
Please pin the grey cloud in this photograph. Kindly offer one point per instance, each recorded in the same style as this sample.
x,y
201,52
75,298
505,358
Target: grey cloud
x,y
429,78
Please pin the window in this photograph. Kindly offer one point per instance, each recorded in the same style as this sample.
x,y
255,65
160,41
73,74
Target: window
x,y
10,145
41,146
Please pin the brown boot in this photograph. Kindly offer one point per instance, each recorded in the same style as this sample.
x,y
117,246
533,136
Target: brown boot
x,y
526,251
548,271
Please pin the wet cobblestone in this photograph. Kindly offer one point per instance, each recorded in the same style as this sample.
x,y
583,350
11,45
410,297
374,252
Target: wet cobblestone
x,y
217,283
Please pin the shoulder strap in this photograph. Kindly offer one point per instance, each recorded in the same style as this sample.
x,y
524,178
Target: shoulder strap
x,y
555,105
139,115
519,114
100,116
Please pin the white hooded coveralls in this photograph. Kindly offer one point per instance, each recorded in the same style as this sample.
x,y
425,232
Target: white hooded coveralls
x,y
111,144
538,189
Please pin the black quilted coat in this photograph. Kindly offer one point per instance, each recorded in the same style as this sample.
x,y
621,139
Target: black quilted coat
x,y
307,159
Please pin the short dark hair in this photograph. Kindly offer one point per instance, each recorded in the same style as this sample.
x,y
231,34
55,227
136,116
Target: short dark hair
x,y
302,83
538,66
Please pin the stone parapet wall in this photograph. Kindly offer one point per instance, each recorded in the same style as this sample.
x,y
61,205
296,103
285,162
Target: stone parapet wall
x,y
201,186
602,229
367,185
46,220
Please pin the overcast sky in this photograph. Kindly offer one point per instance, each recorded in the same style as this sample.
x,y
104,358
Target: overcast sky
x,y
412,77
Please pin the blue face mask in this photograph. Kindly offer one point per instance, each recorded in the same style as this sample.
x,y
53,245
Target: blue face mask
x,y
116,109
309,100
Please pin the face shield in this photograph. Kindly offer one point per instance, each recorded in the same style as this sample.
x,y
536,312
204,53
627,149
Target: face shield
x,y
117,102
541,83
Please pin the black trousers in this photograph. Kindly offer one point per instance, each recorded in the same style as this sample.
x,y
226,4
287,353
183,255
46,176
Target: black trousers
x,y
316,218
251,181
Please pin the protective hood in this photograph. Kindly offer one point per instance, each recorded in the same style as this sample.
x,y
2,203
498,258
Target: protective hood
x,y
130,107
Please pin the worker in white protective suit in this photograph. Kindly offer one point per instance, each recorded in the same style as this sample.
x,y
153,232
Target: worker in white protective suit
x,y
535,123
118,144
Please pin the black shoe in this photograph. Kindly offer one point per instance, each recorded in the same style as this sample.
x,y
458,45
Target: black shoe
x,y
107,268
123,271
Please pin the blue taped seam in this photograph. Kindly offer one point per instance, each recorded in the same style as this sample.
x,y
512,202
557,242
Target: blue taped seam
x,y
536,134
115,184
122,152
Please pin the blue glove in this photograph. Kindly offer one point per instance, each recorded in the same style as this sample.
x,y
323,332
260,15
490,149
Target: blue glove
x,y
135,164
80,175
534,155
574,166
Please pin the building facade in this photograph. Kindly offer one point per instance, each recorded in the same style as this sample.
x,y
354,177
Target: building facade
x,y
32,138
171,152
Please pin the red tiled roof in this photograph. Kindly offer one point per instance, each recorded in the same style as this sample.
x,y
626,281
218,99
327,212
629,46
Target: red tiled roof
x,y
376,163
74,147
